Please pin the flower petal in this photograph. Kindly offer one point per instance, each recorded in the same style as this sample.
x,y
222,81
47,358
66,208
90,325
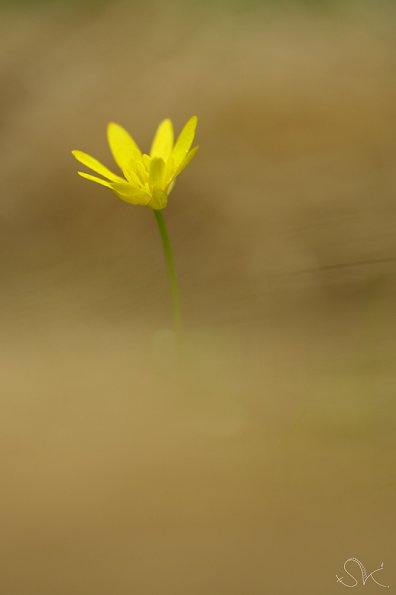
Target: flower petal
x,y
95,165
159,199
141,172
122,146
157,168
184,141
163,140
186,160
146,162
132,175
131,194
94,179
170,186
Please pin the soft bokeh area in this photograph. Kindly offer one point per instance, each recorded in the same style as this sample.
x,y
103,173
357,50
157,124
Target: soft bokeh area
x,y
266,457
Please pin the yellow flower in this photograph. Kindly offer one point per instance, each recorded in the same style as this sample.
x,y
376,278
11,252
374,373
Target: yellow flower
x,y
148,179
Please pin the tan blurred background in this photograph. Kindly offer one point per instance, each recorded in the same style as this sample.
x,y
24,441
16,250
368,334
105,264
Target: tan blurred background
x,y
267,459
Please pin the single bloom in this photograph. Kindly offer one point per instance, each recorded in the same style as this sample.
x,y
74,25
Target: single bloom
x,y
148,179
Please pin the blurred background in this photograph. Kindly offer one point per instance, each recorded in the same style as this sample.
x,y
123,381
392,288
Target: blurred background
x,y
266,459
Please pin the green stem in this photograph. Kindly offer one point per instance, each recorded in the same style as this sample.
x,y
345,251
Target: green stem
x,y
171,270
